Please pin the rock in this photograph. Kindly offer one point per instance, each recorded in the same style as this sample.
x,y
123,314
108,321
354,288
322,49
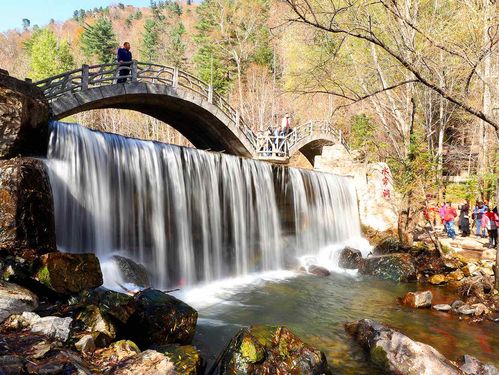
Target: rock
x,y
466,310
24,113
480,309
442,307
118,305
397,353
86,344
271,350
67,273
451,264
489,254
148,362
456,275
131,272
160,319
15,300
61,362
102,329
51,326
396,267
349,258
437,279
118,351
318,271
12,365
470,269
472,366
390,245
418,299
186,359
26,206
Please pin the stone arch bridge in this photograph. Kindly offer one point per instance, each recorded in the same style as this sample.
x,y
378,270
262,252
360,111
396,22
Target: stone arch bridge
x,y
183,101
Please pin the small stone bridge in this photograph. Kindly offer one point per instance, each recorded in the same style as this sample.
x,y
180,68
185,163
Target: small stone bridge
x,y
183,101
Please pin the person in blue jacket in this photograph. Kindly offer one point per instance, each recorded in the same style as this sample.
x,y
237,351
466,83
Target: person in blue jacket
x,y
124,60
479,211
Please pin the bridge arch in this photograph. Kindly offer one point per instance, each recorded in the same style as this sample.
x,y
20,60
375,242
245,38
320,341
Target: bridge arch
x,y
165,93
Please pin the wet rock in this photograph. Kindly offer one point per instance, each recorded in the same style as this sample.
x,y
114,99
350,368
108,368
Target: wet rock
x,y
480,309
472,366
186,358
270,350
442,307
131,272
107,358
457,304
160,319
15,300
437,279
118,305
148,362
456,275
350,258
11,365
67,273
24,113
86,344
396,267
465,310
318,271
397,353
26,207
51,326
390,245
102,328
418,299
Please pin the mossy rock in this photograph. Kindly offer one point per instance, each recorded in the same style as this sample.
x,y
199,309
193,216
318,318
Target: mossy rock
x,y
271,349
186,358
395,267
118,305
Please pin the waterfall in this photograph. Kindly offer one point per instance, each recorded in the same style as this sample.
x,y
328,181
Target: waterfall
x,y
190,216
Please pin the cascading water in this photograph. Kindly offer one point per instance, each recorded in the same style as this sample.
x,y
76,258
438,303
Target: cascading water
x,y
190,216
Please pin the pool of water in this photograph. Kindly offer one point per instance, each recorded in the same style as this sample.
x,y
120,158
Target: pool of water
x,y
316,308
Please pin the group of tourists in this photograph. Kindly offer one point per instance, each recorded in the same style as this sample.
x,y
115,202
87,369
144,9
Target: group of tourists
x,y
481,216
277,137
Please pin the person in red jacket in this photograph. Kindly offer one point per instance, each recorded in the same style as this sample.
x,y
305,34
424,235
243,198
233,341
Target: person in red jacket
x,y
450,214
491,222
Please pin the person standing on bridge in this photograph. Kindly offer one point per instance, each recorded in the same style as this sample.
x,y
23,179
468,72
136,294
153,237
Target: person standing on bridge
x,y
124,61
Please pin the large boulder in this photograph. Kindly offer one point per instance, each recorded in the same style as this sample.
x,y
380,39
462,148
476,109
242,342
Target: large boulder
x,y
53,327
15,300
99,324
397,353
270,350
131,272
160,319
318,270
350,258
396,267
24,113
26,207
67,273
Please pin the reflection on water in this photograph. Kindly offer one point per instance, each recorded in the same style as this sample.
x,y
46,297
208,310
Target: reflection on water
x,y
316,308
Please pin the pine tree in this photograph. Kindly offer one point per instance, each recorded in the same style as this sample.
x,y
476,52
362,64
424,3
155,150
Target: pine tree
x,y
150,40
48,56
99,40
176,49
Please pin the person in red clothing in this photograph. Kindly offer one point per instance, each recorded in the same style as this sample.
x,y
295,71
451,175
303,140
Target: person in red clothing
x,y
450,214
491,221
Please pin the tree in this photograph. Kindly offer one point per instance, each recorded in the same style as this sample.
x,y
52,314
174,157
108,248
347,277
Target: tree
x,y
48,56
26,24
176,47
150,40
99,40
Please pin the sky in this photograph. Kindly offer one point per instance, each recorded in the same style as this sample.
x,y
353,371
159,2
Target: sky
x,y
39,12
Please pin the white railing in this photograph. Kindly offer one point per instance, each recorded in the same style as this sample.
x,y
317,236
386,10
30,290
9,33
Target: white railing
x,y
266,146
281,146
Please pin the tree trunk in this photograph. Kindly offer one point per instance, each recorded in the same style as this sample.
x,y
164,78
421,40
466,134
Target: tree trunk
x,y
496,271
406,221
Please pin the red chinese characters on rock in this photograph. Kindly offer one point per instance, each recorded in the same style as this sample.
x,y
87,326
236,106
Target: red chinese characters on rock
x,y
386,179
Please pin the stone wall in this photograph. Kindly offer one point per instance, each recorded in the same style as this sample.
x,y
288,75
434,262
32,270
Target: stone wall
x,y
24,114
373,182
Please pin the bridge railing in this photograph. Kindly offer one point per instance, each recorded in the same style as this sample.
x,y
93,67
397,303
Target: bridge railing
x,y
89,76
271,146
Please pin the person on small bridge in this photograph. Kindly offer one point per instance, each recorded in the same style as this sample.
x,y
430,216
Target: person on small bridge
x,y
124,61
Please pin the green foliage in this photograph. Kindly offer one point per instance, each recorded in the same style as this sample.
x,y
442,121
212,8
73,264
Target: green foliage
x,y
176,49
99,40
48,56
150,40
362,134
